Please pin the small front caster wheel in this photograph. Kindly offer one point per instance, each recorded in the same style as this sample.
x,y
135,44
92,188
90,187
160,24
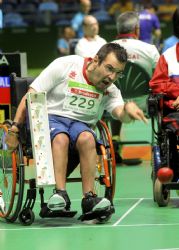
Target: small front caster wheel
x,y
26,217
161,194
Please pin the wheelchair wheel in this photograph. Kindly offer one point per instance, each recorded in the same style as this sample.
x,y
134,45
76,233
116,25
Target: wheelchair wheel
x,y
11,178
106,164
154,170
26,217
161,194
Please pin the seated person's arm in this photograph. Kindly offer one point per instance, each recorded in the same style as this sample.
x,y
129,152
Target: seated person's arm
x,y
158,33
12,136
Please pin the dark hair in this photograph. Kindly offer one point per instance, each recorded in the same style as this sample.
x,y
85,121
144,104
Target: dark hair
x,y
175,21
115,48
150,6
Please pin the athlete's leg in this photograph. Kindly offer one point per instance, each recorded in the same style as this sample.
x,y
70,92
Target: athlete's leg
x,y
60,145
86,147
60,200
83,139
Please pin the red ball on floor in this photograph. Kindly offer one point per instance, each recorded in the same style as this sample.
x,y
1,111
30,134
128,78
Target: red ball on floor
x,y
165,175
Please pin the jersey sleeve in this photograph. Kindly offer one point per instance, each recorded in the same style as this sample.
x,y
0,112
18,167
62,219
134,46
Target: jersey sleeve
x,y
114,99
50,76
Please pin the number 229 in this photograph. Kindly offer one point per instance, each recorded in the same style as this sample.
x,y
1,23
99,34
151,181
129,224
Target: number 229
x,y
82,102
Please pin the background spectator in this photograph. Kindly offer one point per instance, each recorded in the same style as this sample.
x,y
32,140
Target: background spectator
x,y
139,52
63,42
166,9
142,53
48,5
120,6
150,31
77,20
46,9
88,45
100,12
14,19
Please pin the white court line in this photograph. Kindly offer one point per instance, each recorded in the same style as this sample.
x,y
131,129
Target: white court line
x,y
100,226
22,228
128,211
166,249
118,198
115,199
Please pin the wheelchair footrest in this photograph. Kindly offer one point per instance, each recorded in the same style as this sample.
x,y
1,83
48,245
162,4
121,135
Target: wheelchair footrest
x,y
45,212
100,216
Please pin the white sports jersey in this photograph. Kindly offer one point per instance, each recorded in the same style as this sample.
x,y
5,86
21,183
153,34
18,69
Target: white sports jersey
x,y
144,54
69,93
172,62
89,48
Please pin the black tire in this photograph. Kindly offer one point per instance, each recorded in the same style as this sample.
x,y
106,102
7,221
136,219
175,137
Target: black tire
x,y
26,217
11,178
153,174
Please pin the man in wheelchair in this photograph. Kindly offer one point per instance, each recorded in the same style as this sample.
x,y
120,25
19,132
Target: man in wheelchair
x,y
78,91
165,87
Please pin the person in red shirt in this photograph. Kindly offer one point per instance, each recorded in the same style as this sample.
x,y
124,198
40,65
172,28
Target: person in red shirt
x,y
166,80
166,75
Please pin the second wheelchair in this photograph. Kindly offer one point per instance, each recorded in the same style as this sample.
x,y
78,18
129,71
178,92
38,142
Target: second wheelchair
x,y
165,150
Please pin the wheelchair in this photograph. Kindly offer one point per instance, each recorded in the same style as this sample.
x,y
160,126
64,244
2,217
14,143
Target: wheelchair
x,y
165,147
18,192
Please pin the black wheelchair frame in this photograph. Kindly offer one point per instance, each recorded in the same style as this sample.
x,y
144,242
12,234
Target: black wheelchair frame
x,y
13,164
164,150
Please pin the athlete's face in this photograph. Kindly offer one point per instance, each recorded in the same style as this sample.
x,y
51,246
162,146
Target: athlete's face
x,y
103,75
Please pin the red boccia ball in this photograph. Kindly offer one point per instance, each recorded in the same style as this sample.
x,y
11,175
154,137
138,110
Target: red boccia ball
x,y
165,175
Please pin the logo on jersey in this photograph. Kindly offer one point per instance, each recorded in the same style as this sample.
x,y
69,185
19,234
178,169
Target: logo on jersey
x,y
72,74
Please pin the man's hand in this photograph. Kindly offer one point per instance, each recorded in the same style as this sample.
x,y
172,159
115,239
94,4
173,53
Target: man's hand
x,y
176,104
12,140
134,112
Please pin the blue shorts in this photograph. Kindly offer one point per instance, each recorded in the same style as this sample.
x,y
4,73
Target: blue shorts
x,y
72,128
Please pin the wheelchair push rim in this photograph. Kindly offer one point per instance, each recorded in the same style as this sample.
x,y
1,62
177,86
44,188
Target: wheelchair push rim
x,y
11,178
106,166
